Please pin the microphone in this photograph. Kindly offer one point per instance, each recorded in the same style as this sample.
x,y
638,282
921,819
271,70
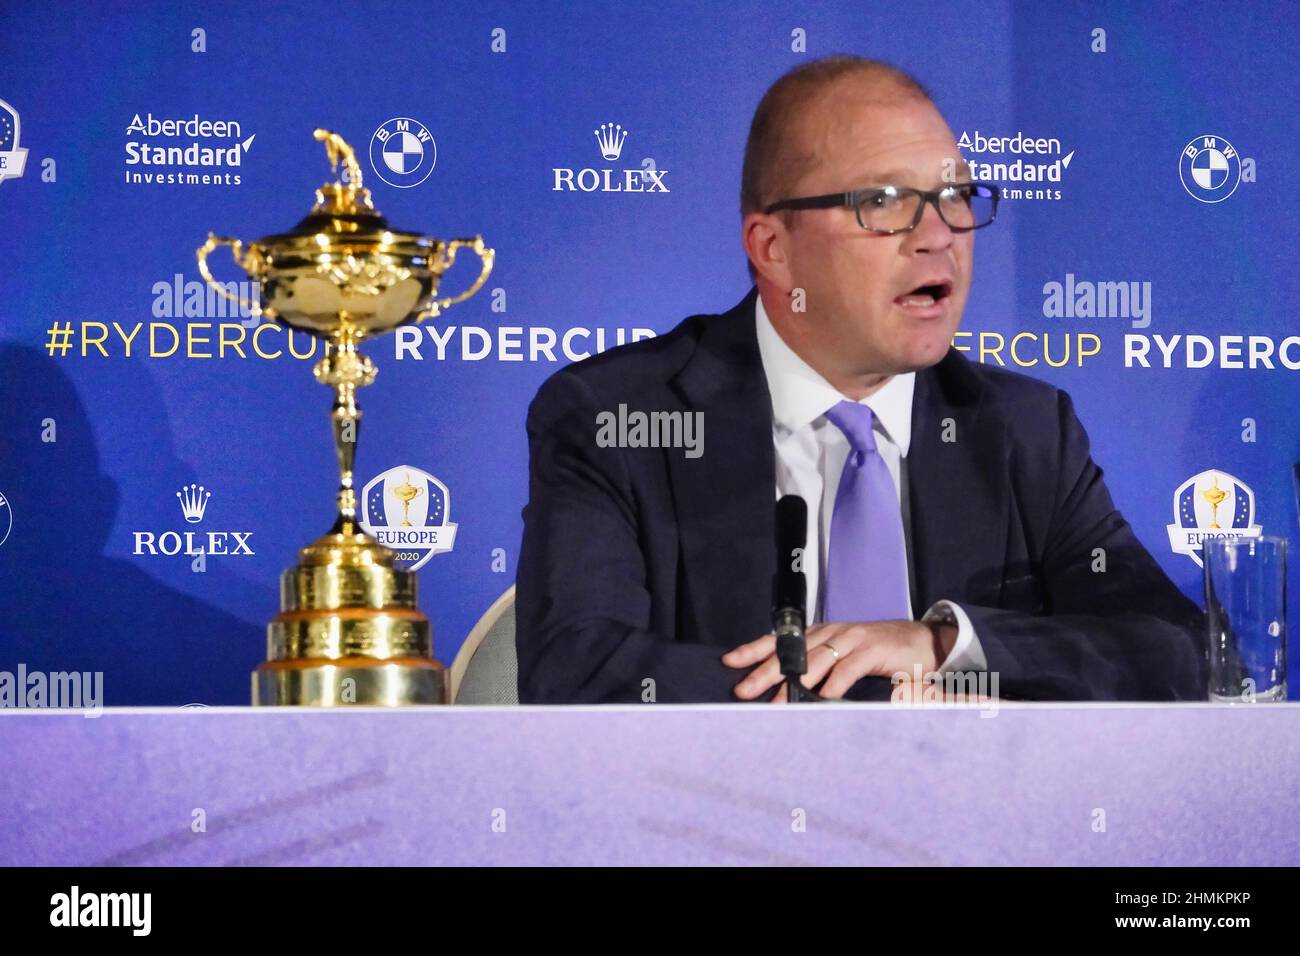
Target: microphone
x,y
789,596
1295,478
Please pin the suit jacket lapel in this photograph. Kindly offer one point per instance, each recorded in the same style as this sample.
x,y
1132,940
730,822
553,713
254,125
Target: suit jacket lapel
x,y
957,488
958,496
726,497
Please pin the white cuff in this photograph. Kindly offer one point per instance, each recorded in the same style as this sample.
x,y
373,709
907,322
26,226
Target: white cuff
x,y
966,653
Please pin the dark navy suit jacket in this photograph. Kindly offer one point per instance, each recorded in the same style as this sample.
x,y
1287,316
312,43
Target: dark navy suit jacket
x,y
643,563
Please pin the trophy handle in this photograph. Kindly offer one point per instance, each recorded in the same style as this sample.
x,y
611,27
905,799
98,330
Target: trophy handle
x,y
486,255
236,246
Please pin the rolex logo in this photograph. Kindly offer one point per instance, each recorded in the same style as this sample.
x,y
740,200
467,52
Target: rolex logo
x,y
611,136
194,501
647,177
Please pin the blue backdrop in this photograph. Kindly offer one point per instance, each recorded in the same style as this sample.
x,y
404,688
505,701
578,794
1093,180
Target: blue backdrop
x,y
1101,99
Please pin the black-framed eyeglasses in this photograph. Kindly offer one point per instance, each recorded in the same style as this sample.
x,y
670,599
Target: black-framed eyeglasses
x,y
893,209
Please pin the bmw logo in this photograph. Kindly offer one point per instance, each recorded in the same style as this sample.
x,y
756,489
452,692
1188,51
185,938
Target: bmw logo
x,y
402,152
1210,169
6,519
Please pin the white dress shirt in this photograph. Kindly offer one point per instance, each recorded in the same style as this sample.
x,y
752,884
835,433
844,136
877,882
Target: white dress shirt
x,y
810,455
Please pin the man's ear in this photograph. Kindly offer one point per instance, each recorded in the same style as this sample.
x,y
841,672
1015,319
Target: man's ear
x,y
766,241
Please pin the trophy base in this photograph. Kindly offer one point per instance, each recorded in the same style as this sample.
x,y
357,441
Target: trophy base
x,y
349,632
350,682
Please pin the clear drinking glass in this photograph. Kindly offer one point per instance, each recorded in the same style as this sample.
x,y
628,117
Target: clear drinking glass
x,y
1245,605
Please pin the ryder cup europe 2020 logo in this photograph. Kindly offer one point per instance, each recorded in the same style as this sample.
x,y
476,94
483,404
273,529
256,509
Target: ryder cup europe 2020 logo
x,y
1213,504
1210,169
402,152
408,510
12,158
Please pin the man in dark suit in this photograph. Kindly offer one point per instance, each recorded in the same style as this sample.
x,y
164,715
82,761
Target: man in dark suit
x,y
934,484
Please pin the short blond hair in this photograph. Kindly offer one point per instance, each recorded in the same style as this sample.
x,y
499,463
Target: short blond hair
x,y
773,158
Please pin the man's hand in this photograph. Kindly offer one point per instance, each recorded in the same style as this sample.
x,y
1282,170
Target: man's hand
x,y
842,654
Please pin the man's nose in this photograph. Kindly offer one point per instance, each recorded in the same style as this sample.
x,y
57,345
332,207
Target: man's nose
x,y
931,233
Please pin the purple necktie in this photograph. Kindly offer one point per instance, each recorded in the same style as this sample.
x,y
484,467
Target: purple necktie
x,y
867,564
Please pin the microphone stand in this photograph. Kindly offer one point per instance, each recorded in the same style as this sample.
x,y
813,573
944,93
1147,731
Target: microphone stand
x,y
792,653
789,597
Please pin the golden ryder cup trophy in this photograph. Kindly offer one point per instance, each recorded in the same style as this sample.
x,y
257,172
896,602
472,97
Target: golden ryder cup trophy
x,y
349,630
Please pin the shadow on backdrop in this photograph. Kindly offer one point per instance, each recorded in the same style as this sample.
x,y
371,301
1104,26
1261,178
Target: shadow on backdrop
x,y
64,604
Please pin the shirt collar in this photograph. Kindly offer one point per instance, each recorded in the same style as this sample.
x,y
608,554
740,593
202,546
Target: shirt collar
x,y
800,395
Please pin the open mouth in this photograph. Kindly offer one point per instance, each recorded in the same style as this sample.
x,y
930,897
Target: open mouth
x,y
925,296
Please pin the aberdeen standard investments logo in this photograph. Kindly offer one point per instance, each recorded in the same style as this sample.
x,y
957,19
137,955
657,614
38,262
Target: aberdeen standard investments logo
x,y
1210,169
1028,167
610,137
185,152
408,510
12,158
402,152
1213,504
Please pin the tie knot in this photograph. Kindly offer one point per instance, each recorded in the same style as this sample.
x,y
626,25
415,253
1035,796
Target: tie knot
x,y
854,420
